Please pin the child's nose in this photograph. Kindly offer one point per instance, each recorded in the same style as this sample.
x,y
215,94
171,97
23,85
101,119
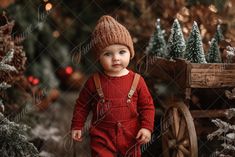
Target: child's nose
x,y
116,57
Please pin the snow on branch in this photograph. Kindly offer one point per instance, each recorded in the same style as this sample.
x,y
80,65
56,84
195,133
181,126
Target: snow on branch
x,y
7,58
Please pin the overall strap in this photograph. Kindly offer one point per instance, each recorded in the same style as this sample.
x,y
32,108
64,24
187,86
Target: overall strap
x,y
134,85
98,85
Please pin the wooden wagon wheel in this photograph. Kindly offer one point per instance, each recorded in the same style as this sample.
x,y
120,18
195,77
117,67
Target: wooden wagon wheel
x,y
179,137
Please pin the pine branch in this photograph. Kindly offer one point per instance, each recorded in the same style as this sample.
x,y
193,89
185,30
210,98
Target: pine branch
x,y
13,141
8,57
2,108
231,113
228,146
224,127
230,54
4,85
6,67
229,138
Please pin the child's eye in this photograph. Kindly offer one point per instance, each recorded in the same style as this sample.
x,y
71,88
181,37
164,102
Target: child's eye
x,y
122,52
107,54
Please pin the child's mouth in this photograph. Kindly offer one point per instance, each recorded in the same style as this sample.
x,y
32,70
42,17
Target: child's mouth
x,y
116,65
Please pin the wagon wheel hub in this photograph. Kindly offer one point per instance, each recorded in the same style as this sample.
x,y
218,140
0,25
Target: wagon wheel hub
x,y
179,136
172,143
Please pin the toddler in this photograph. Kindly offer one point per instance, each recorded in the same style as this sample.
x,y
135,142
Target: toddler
x,y
122,107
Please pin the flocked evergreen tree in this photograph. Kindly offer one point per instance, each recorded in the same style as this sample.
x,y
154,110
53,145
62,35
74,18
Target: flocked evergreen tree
x,y
13,141
5,67
13,138
157,43
194,49
218,36
176,43
213,55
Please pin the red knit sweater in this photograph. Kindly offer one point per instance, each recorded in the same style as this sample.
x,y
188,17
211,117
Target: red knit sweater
x,y
114,87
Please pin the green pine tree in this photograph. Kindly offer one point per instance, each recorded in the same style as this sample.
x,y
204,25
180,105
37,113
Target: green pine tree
x,y
194,49
213,55
218,36
157,43
176,43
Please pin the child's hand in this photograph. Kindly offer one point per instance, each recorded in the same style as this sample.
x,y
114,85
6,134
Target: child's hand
x,y
143,136
77,135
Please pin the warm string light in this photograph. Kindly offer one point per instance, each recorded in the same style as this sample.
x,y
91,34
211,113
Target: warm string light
x,y
56,34
213,8
183,15
185,30
48,6
203,30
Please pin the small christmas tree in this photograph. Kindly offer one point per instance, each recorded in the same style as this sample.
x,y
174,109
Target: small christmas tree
x,y
218,36
176,43
213,55
157,43
194,50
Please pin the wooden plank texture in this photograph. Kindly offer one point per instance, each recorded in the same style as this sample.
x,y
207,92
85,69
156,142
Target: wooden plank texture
x,y
212,75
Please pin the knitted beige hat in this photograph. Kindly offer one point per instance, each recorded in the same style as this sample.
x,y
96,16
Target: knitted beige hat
x,y
107,32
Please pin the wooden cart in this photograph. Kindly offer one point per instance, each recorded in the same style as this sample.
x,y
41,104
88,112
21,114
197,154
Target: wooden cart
x,y
179,136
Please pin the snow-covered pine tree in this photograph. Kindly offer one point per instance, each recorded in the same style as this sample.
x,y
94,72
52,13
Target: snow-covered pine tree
x,y
225,133
157,43
176,43
194,49
5,67
13,141
213,55
218,36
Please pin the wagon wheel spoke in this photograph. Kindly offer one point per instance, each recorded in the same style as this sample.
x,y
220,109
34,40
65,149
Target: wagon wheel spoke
x,y
180,153
170,134
167,132
185,143
174,153
184,150
179,139
166,129
175,125
181,129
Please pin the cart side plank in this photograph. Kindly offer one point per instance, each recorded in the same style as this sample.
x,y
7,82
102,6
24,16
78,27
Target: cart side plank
x,y
212,75
192,75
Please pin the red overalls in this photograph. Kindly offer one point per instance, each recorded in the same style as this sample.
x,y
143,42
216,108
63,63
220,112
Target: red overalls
x,y
113,135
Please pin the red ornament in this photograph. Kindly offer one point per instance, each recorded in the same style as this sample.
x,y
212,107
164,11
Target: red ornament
x,y
68,70
30,79
35,81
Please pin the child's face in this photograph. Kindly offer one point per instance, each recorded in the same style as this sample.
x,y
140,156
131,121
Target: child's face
x,y
115,58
